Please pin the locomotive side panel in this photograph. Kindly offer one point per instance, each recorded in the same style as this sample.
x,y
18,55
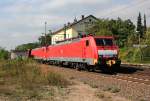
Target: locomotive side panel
x,y
90,50
38,53
65,52
77,51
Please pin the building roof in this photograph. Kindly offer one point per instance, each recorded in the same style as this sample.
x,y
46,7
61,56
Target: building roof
x,y
74,23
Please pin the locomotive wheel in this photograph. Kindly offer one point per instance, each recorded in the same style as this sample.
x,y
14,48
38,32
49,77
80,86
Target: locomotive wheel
x,y
83,66
78,66
90,68
87,68
73,65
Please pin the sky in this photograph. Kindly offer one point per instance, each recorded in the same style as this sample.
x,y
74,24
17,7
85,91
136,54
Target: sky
x,y
22,21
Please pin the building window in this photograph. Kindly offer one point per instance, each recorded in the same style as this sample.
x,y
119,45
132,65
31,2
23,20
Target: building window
x,y
79,33
90,20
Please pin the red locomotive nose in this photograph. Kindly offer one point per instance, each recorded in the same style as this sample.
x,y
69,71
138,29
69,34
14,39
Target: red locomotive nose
x,y
106,47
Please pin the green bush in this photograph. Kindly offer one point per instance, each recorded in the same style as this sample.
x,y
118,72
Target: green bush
x,y
4,54
135,55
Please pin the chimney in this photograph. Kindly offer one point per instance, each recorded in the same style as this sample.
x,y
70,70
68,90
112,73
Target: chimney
x,y
68,23
75,20
82,17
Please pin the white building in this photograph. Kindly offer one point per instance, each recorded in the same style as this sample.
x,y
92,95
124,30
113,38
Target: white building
x,y
74,29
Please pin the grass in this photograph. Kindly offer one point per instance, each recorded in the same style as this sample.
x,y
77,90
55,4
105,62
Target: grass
x,y
94,85
100,95
112,89
24,79
104,96
56,80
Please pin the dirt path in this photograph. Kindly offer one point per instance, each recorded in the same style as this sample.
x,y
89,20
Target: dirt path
x,y
82,92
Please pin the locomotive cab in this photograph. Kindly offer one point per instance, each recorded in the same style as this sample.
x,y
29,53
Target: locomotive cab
x,y
107,51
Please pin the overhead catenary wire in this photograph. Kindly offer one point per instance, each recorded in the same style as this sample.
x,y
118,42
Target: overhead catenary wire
x,y
127,7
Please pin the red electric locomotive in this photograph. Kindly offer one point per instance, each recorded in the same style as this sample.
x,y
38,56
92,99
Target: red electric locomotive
x,y
88,52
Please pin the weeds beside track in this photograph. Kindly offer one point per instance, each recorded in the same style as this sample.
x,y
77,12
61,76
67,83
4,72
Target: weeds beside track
x,y
23,79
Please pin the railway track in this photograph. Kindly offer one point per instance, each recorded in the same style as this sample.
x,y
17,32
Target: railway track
x,y
137,77
133,79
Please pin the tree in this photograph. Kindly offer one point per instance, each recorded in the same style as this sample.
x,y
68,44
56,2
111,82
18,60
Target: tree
x,y
25,47
101,27
45,40
120,28
145,26
42,41
4,54
140,26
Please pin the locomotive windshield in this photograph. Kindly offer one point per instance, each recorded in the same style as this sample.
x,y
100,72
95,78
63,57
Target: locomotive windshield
x,y
103,42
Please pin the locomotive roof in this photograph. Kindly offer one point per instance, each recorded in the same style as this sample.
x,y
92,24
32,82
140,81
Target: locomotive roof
x,y
103,37
78,38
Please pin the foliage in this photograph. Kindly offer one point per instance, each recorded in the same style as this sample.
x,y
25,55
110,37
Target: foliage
x,y
4,54
141,28
147,36
41,42
45,40
130,54
145,26
25,47
139,25
137,55
146,50
119,28
101,27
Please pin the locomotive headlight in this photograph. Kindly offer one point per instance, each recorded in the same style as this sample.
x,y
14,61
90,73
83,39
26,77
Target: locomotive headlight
x,y
113,62
95,61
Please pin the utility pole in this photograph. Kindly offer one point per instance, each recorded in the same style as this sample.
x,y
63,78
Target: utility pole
x,y
140,45
64,31
45,33
50,33
145,25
